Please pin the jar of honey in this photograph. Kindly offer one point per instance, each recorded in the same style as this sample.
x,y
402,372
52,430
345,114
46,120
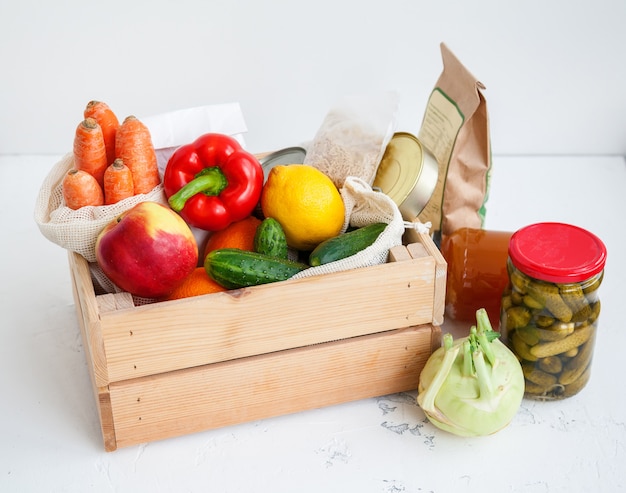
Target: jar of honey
x,y
551,307
477,273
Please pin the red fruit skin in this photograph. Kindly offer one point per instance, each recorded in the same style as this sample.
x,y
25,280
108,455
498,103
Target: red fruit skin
x,y
147,251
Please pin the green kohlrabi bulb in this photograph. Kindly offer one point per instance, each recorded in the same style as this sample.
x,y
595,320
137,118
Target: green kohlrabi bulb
x,y
472,386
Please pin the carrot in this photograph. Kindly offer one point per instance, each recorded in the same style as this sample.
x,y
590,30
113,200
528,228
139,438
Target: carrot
x,y
133,145
89,149
118,182
106,118
81,189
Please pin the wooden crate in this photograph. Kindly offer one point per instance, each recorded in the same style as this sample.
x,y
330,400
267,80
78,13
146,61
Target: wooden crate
x,y
177,367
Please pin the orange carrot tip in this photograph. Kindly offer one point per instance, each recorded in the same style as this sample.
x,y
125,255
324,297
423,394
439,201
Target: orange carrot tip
x,y
109,123
118,182
90,150
81,189
133,144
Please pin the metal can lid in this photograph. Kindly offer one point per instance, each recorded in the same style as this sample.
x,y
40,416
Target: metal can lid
x,y
289,155
557,252
407,173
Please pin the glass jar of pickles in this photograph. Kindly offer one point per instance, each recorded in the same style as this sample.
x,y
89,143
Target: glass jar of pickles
x,y
550,308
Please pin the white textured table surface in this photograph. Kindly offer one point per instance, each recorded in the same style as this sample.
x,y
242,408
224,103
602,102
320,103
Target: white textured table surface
x,y
50,437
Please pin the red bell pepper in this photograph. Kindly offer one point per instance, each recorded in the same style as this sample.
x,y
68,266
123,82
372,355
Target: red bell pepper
x,y
213,182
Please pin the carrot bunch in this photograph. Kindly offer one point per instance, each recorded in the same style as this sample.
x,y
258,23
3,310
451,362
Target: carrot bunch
x,y
112,160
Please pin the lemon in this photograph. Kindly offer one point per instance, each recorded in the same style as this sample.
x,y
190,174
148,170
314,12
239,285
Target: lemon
x,y
305,202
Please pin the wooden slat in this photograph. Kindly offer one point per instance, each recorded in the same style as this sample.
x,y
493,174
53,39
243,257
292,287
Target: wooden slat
x,y
218,327
222,394
417,250
88,324
441,272
85,297
114,301
399,253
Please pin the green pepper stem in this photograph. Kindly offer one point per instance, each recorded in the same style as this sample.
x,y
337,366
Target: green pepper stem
x,y
210,181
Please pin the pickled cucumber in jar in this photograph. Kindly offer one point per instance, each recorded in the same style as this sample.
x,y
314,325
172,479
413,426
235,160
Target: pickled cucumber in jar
x,y
550,307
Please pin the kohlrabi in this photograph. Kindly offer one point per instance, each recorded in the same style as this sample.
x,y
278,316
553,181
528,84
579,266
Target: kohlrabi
x,y
472,386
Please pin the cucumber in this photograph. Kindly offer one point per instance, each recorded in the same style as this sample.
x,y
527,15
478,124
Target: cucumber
x,y
234,268
345,245
270,239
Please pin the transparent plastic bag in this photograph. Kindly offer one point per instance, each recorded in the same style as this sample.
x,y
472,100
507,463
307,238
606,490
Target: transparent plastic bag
x,y
353,137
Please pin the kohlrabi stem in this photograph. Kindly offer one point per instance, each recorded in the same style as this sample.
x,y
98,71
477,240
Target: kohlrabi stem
x,y
485,346
427,399
472,333
483,375
448,341
482,320
486,334
468,364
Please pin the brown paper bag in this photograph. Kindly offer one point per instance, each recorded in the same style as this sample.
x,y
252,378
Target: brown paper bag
x,y
455,129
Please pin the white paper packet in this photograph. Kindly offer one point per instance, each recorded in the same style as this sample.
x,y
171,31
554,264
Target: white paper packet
x,y
175,128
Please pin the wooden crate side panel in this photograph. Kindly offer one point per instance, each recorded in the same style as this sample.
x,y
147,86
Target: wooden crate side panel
x,y
223,326
258,387
87,324
441,271
107,425
85,299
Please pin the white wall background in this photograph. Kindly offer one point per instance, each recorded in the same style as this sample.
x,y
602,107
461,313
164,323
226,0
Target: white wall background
x,y
555,71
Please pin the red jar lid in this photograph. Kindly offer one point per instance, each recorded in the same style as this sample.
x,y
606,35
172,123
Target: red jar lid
x,y
557,252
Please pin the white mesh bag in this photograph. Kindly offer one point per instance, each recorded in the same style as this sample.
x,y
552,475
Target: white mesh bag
x,y
77,230
364,206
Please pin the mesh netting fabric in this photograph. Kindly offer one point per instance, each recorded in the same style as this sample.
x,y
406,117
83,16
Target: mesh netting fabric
x,y
364,206
77,230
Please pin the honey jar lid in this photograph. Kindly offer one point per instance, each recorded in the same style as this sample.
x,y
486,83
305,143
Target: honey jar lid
x,y
557,252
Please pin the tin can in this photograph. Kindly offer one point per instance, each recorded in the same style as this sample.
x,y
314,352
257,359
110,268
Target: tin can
x,y
550,309
289,155
407,173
